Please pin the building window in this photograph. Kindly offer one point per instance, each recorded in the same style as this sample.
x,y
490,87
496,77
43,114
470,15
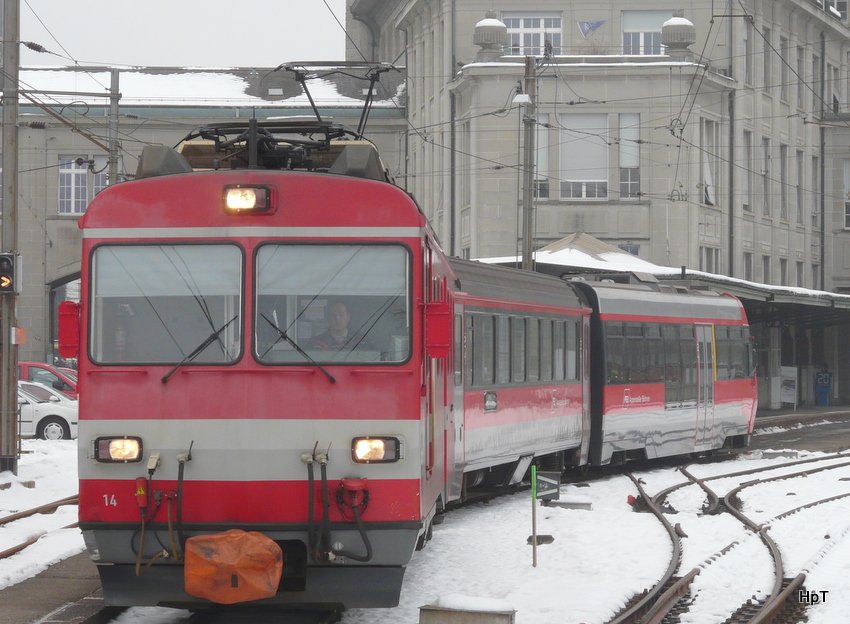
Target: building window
x,y
747,173
815,276
642,31
748,53
765,269
814,83
541,169
801,85
748,266
783,272
765,176
73,190
847,194
629,155
799,275
709,259
584,156
815,189
783,69
783,181
632,248
529,34
799,189
768,61
708,158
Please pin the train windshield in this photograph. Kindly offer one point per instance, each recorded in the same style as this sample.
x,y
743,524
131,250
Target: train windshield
x,y
332,303
158,304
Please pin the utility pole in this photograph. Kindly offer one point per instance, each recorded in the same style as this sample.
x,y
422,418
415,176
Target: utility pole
x,y
9,244
114,96
529,126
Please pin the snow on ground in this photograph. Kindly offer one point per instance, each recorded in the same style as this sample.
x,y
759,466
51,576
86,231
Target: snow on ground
x,y
480,559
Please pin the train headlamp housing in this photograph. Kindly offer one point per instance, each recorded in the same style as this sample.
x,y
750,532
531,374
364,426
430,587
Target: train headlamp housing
x,y
244,199
375,450
118,449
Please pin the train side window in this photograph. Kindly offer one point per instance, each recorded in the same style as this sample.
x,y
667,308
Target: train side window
x,y
503,350
635,353
654,354
672,364
560,354
688,346
615,347
483,351
573,352
517,349
458,349
722,348
545,350
532,364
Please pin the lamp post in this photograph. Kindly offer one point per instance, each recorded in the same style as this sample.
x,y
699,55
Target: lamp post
x,y
526,100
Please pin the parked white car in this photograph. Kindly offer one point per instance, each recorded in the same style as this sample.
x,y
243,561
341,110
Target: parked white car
x,y
48,420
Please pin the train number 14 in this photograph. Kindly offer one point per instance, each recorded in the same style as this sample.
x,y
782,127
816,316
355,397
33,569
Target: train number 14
x,y
109,500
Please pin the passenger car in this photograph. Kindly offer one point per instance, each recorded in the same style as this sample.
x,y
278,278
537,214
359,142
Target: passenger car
x,y
48,375
45,419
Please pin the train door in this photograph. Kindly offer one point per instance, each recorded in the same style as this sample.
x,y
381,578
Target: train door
x,y
436,370
705,387
454,433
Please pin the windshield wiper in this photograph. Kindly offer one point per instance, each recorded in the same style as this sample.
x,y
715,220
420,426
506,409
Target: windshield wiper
x,y
199,349
284,336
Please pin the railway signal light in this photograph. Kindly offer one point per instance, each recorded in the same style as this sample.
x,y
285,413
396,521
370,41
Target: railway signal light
x,y
8,277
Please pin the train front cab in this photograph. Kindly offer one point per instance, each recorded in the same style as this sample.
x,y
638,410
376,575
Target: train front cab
x,y
252,434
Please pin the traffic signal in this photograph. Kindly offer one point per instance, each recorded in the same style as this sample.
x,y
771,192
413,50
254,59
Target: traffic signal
x,y
8,280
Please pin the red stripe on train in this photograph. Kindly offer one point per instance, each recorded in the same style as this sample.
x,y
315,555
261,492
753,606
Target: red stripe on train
x,y
114,500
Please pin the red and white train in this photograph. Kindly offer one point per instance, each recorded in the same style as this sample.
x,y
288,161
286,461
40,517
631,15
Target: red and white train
x,y
230,452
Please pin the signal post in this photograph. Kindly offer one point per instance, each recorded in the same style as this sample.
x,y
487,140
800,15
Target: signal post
x,y
9,286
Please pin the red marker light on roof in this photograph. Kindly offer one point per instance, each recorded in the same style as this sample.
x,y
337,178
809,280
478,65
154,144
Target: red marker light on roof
x,y
247,199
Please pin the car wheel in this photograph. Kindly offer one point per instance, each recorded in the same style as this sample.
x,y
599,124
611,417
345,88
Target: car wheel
x,y
53,428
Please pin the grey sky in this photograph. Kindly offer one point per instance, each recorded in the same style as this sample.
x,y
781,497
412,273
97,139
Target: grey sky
x,y
206,33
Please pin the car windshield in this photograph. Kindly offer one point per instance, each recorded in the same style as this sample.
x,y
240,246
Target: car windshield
x,y
332,304
155,304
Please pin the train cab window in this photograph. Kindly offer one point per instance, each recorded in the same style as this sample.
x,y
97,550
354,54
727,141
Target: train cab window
x,y
340,304
166,303
532,364
546,350
517,349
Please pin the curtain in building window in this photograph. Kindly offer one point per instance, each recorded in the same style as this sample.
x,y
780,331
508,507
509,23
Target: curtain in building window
x,y
629,136
645,21
584,146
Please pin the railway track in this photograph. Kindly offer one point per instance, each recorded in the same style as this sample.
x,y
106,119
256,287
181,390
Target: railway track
x,y
17,522
671,597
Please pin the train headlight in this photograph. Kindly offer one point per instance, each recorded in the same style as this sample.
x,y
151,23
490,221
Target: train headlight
x,y
123,449
375,450
246,199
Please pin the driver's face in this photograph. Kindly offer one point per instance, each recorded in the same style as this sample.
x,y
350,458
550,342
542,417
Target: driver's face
x,y
338,317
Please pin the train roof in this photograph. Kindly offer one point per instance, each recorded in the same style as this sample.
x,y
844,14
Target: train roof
x,y
488,281
645,300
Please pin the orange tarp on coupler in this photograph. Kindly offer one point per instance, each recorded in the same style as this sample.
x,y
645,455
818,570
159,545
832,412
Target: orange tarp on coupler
x,y
230,567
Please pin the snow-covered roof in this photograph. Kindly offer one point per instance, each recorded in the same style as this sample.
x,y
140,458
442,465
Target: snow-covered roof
x,y
260,87
582,252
